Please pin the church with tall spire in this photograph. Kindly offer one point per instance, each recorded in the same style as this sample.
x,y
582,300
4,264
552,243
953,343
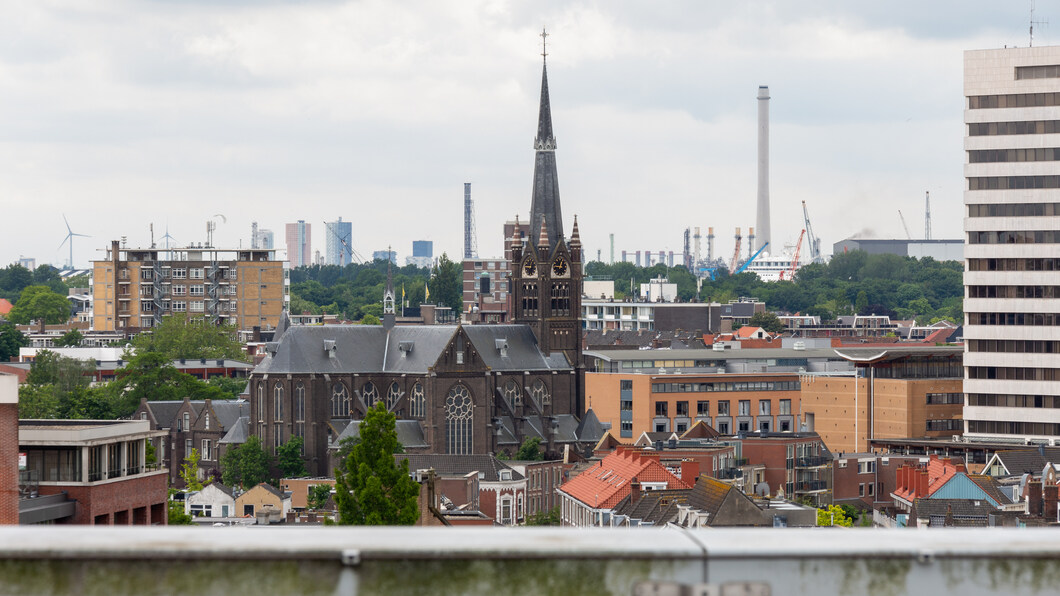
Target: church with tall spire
x,y
546,269
454,389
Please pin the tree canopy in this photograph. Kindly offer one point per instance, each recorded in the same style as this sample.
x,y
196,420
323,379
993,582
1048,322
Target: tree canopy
x,y
371,488
191,337
40,302
245,465
289,458
850,283
11,339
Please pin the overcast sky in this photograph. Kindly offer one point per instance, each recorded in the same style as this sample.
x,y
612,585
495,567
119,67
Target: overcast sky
x,y
123,114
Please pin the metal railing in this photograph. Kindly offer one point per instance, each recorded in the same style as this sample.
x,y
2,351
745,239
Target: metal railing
x,y
812,461
622,561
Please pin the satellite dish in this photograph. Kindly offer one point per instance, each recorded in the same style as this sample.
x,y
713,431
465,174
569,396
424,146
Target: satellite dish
x,y
762,489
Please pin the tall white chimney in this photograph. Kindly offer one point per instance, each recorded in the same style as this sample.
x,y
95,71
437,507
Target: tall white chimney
x,y
762,227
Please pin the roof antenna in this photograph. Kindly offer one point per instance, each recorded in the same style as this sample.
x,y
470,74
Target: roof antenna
x,y
1033,23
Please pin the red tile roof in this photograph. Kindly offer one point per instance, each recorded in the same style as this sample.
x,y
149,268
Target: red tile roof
x,y
939,472
602,486
5,306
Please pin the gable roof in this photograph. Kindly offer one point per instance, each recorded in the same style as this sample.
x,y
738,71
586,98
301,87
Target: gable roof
x,y
655,507
238,433
965,512
221,487
709,494
265,486
228,412
1027,461
404,349
459,465
700,430
604,485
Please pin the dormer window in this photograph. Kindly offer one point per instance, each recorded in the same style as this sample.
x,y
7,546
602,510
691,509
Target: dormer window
x,y
506,474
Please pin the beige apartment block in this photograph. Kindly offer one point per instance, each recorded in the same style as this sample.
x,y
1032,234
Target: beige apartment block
x,y
133,288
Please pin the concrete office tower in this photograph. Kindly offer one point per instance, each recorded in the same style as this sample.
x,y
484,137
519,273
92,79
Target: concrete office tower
x,y
299,244
338,242
1012,220
762,223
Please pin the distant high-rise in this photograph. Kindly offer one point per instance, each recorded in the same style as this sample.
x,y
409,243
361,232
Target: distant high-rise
x,y
338,243
422,253
385,255
1012,204
260,237
299,244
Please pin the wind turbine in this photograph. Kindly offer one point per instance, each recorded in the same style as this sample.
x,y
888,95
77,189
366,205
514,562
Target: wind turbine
x,y
70,239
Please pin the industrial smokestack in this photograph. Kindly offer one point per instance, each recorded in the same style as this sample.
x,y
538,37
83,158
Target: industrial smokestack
x,y
763,167
710,245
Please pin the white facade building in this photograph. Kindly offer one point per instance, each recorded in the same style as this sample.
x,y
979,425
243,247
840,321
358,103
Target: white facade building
x,y
1012,257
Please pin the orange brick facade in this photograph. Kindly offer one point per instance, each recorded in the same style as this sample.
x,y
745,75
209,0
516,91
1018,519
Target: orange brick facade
x,y
9,463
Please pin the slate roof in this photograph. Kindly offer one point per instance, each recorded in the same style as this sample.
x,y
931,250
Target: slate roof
x,y
708,495
965,511
373,349
991,487
165,411
545,203
459,465
605,484
409,433
568,430
656,507
238,433
230,411
1028,461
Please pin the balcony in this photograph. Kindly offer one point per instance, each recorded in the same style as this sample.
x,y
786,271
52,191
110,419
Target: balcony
x,y
811,486
813,461
728,474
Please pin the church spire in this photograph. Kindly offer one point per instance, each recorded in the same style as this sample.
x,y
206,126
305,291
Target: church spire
x,y
545,205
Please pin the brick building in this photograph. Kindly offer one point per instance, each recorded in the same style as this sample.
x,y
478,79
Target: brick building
x,y
900,392
635,403
797,463
90,472
135,287
200,424
9,449
866,480
502,490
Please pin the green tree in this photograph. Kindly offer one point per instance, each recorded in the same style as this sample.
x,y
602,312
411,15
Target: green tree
x,y
318,496
192,337
11,339
177,516
833,515
231,387
530,450
768,321
545,518
446,285
189,471
373,489
40,302
289,459
150,375
246,465
370,319
38,401
71,338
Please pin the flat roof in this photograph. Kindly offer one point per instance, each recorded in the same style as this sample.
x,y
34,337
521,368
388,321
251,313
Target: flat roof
x,y
880,354
710,354
82,432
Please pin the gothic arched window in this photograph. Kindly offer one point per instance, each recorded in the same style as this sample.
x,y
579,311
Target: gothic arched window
x,y
392,396
370,394
277,398
416,400
299,412
540,393
340,401
458,419
513,394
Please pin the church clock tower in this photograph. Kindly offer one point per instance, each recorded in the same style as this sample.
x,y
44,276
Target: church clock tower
x,y
546,269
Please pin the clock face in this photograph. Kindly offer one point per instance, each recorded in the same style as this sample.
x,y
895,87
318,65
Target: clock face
x,y
530,267
559,266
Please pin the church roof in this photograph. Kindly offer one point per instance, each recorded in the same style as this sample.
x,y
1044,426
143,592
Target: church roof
x,y
409,433
411,349
238,433
545,203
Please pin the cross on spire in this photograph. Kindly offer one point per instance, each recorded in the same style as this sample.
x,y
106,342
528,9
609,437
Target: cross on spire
x,y
544,44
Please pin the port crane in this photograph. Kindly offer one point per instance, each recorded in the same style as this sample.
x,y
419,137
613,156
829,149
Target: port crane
x,y
795,259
